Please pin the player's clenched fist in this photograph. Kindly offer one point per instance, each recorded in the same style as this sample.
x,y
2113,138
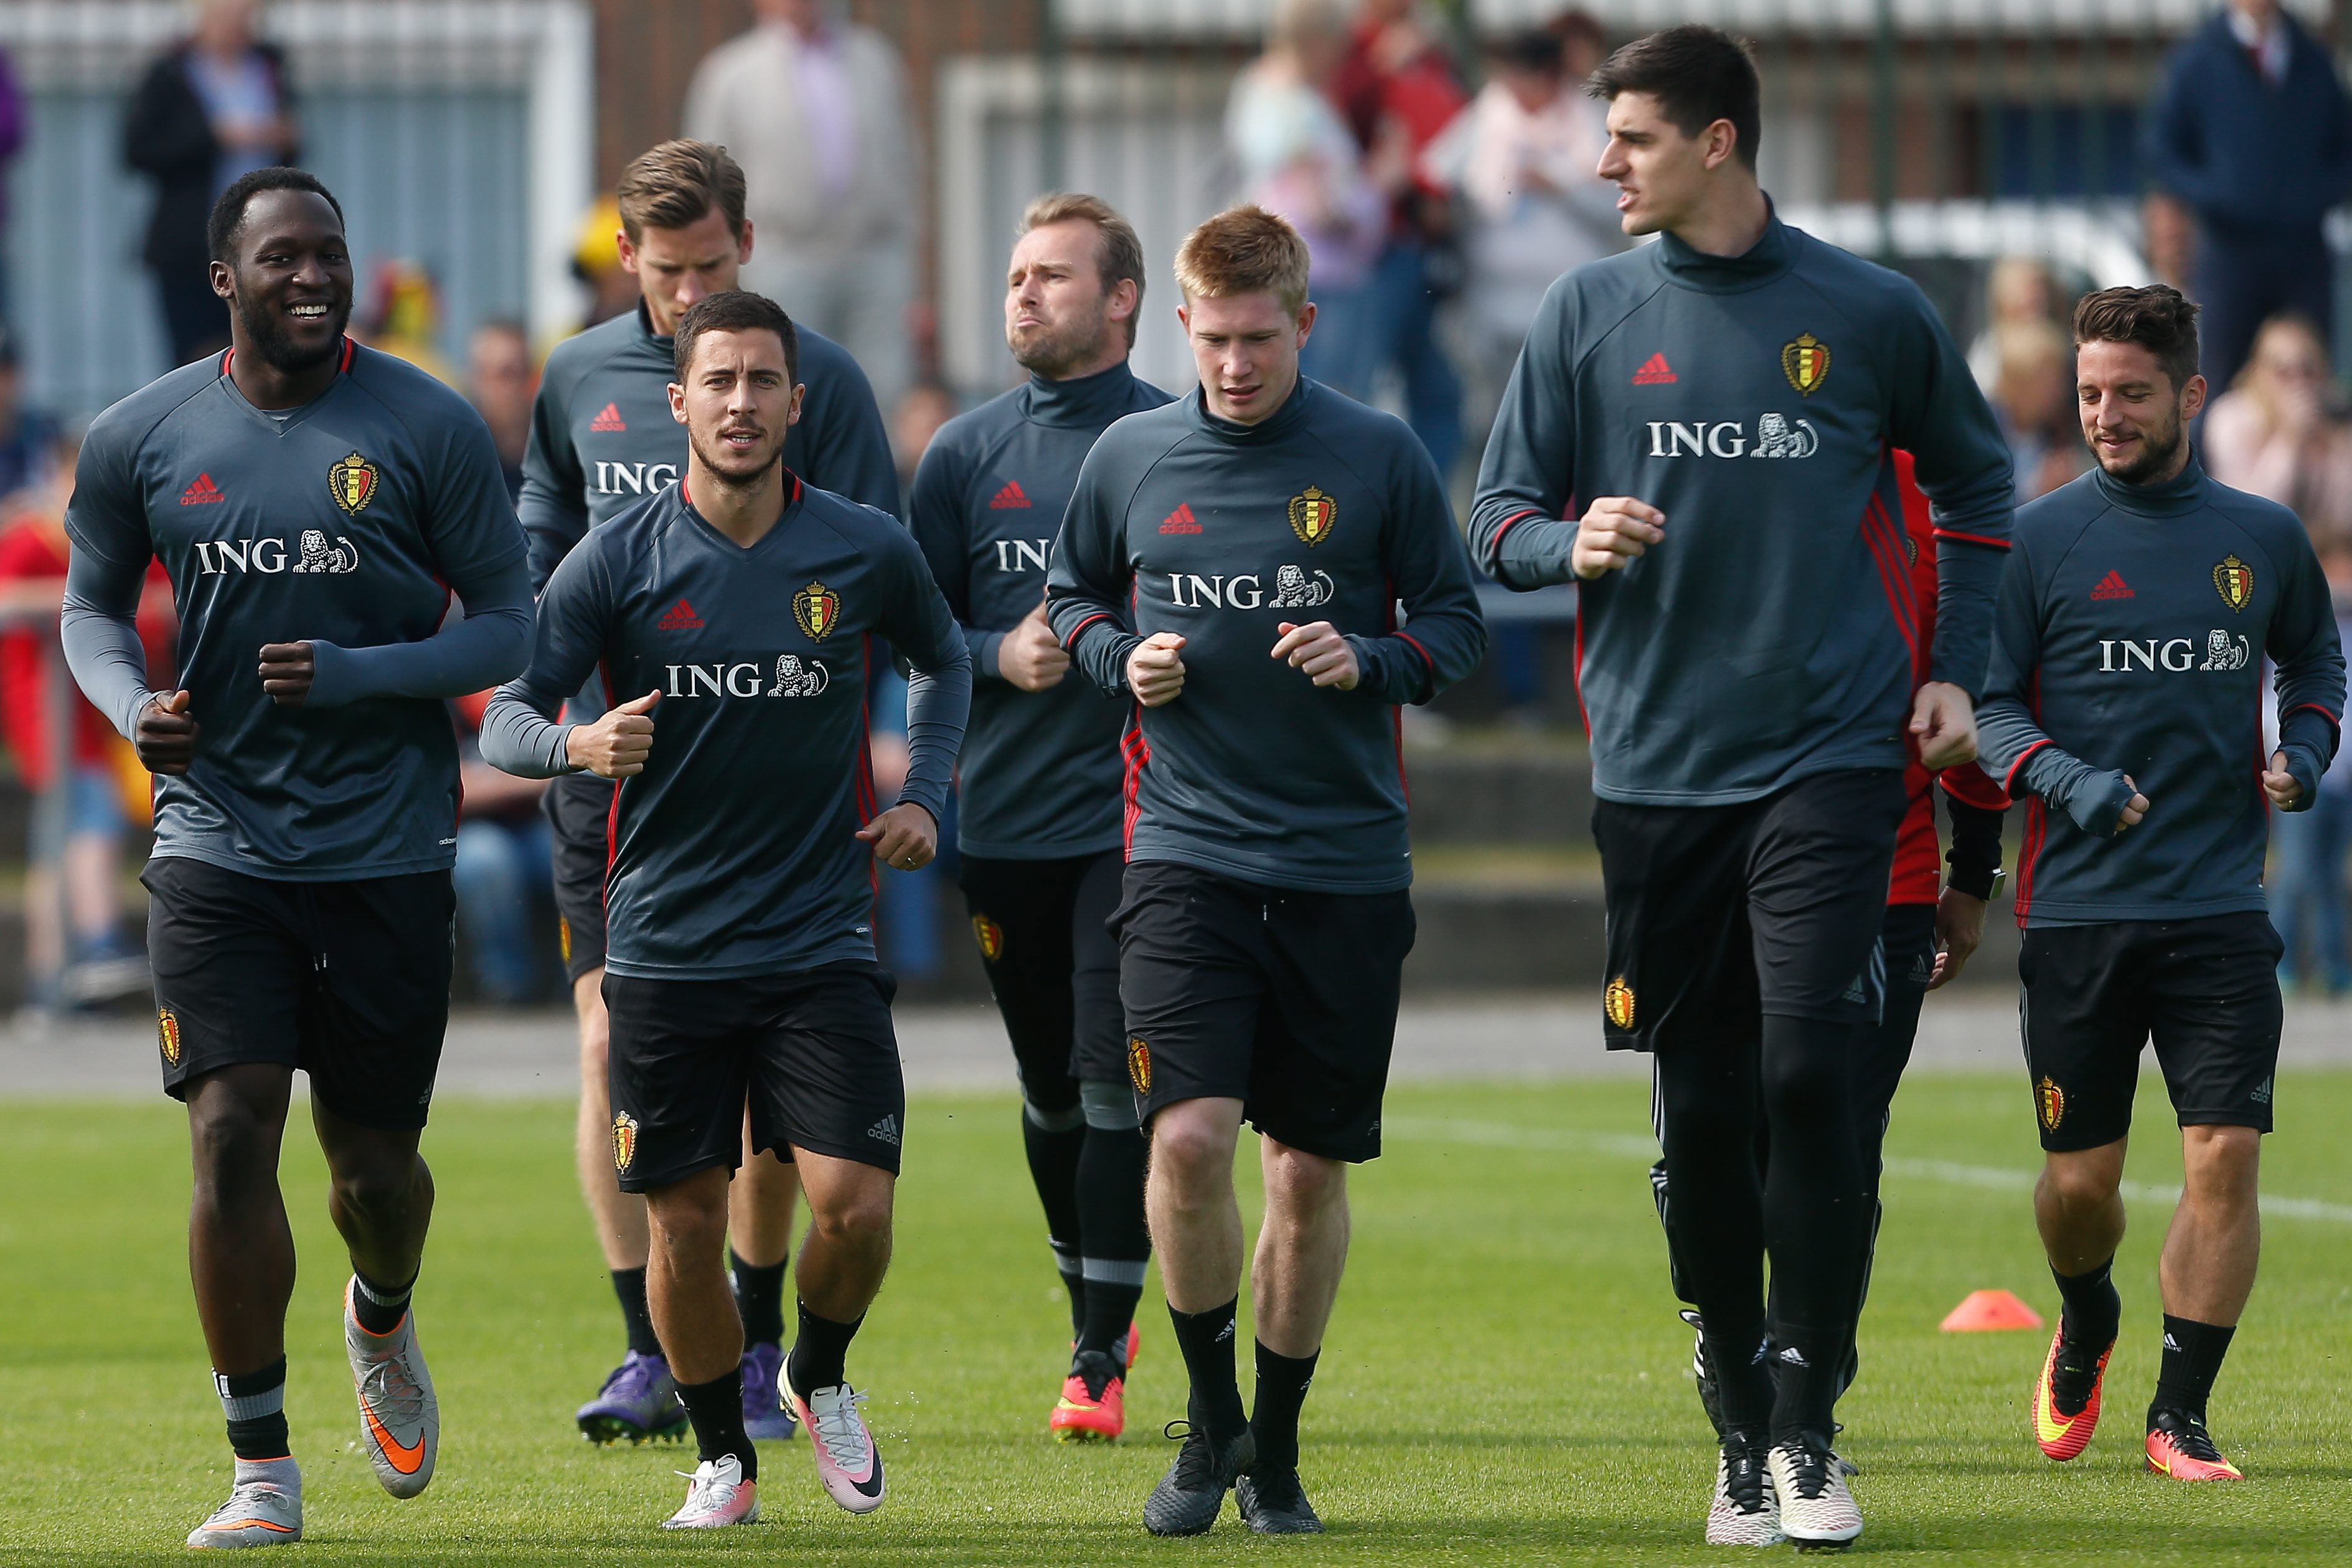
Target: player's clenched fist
x,y
1612,531
166,741
1029,657
1155,670
1317,649
615,746
904,837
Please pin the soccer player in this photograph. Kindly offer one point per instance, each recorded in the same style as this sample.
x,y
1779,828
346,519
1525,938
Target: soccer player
x,y
315,503
1233,563
601,440
1725,405
732,615
1038,825
2127,680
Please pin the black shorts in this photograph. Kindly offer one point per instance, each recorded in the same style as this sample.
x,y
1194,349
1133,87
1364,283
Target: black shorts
x,y
347,980
1720,914
1284,1000
578,808
1043,930
812,1053
2207,989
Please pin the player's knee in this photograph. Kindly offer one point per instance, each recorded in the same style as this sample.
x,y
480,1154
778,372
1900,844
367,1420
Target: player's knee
x,y
379,1189
231,1142
2081,1183
690,1217
1192,1151
2220,1163
858,1218
1299,1180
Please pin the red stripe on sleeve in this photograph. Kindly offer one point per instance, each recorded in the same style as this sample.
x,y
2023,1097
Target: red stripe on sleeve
x,y
2008,779
1971,538
2334,718
1070,645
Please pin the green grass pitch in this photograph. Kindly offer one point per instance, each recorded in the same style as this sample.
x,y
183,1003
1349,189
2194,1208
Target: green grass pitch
x,y
1506,1381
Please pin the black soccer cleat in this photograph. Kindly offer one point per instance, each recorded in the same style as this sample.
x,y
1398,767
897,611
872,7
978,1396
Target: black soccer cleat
x,y
1274,1503
1193,1493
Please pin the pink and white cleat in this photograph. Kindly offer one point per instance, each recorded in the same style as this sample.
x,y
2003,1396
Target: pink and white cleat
x,y
716,1495
846,1460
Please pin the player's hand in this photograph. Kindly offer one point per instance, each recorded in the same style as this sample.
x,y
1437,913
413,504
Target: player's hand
x,y
1959,926
904,838
167,732
617,744
1030,657
1612,531
2281,785
1943,722
1155,669
287,670
1320,650
2135,808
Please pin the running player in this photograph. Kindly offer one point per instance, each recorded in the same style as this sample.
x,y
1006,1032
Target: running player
x,y
2126,677
1726,402
316,504
1234,563
1038,826
739,969
601,440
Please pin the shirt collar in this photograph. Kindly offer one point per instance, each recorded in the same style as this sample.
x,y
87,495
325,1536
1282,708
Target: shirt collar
x,y
1762,262
1282,421
2184,491
1080,400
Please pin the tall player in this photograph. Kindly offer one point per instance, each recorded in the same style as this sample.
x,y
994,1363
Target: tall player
x,y
316,504
740,968
1234,563
1726,402
601,440
1038,826
2126,676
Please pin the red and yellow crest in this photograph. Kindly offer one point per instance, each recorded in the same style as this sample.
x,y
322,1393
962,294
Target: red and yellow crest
x,y
167,1035
1806,364
817,608
1617,1003
624,1140
563,936
2233,579
352,483
1313,516
1139,1064
990,936
2050,1101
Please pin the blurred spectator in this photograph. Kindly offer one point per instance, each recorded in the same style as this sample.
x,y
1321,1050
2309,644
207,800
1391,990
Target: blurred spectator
x,y
1297,158
2169,237
505,876
500,383
28,440
401,317
2251,130
2282,432
916,420
2033,399
816,109
2017,288
2308,880
11,140
215,106
612,289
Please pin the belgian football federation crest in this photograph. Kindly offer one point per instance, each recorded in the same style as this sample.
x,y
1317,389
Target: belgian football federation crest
x,y
990,936
1617,1003
352,483
2233,579
1806,364
624,1140
167,1035
1139,1064
1313,516
2050,1101
817,608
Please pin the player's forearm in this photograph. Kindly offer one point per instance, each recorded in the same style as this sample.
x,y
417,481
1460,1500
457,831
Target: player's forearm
x,y
1975,854
99,628
984,647
1437,648
520,738
1968,583
2308,737
1523,549
938,703
2029,762
487,646
1093,633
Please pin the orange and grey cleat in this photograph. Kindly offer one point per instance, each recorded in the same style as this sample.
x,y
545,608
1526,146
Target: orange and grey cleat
x,y
2179,1446
400,1420
1092,1407
2066,1396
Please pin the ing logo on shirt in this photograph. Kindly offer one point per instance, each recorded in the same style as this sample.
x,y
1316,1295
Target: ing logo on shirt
x,y
817,611
352,482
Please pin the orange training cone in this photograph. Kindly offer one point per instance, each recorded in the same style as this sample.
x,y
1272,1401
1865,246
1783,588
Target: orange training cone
x,y
1988,1309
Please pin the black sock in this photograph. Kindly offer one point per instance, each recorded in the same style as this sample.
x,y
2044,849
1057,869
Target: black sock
x,y
255,1406
759,1298
379,1308
1118,1242
716,1408
1053,1154
2192,1359
629,1284
821,1351
1282,1383
1207,1341
2093,1309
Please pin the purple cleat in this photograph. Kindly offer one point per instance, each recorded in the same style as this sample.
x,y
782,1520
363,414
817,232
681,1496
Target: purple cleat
x,y
763,1417
639,1401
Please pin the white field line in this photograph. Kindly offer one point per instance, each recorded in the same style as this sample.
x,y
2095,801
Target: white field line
x,y
1511,1135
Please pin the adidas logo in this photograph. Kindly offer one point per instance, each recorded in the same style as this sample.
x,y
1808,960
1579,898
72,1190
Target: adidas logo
x,y
1793,1356
2171,1345
2113,586
1224,1333
610,421
884,1131
680,618
1180,521
1009,498
1654,372
203,493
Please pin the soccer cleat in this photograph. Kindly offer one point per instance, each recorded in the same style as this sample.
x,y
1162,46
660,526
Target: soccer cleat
x,y
1817,1512
764,1416
846,1460
1710,1395
1193,1493
716,1495
2179,1446
400,1421
638,1401
2066,1396
261,1510
1274,1503
1092,1407
1746,1510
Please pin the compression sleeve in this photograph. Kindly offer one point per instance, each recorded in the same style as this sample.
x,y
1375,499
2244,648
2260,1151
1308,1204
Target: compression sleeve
x,y
486,647
1975,854
519,733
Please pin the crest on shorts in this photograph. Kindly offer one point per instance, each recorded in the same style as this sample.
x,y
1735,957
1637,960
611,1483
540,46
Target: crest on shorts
x,y
1313,516
167,1035
818,610
352,483
624,1140
563,936
2233,579
1806,364
1139,1064
990,936
1617,1003
2050,1101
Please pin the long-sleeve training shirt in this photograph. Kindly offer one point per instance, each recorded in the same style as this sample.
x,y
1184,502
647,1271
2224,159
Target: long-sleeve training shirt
x,y
1757,402
346,523
1041,770
735,851
2134,623
1327,510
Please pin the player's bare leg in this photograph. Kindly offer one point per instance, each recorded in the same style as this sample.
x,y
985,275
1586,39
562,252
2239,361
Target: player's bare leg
x,y
694,1311
1196,1228
1302,1250
760,1203
2207,1273
2078,1207
838,1275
